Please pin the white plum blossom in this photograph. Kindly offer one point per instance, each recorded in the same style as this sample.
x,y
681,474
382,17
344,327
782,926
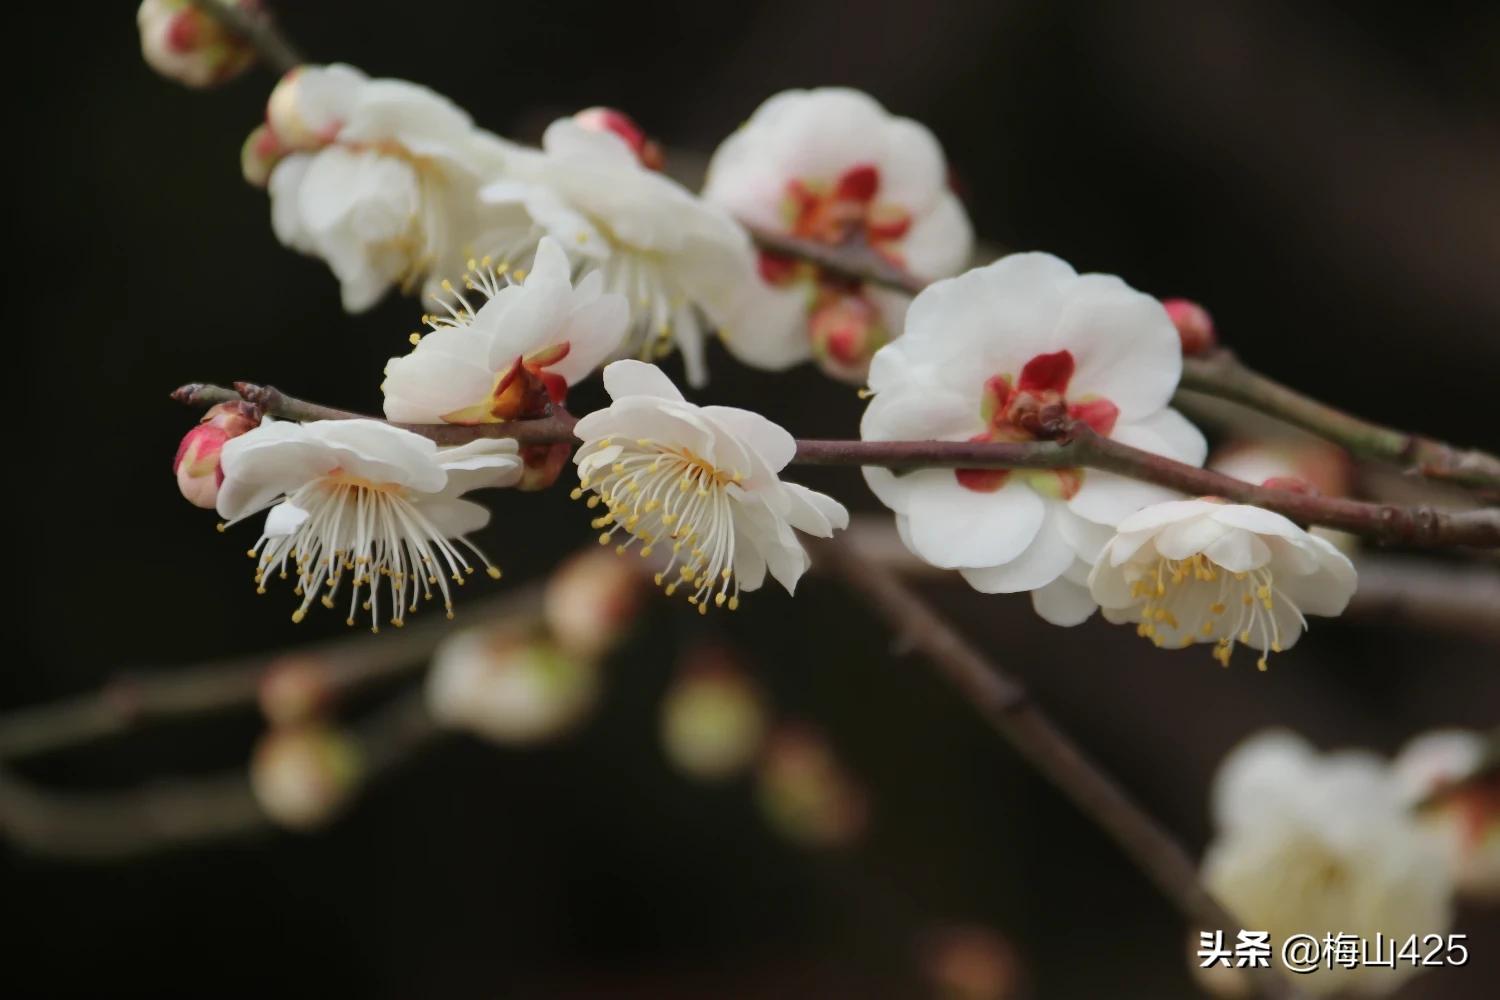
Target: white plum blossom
x,y
833,166
701,482
184,43
1189,571
1004,353
380,179
1323,844
363,501
536,329
1440,775
672,255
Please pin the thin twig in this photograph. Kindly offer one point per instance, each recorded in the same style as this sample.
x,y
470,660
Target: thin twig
x,y
1221,374
130,702
1077,447
259,29
847,260
1006,706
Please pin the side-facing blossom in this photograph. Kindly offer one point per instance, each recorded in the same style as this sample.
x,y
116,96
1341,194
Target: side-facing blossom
x,y
363,501
833,166
1203,570
1012,352
535,331
702,483
677,260
379,178
1444,776
185,43
1323,845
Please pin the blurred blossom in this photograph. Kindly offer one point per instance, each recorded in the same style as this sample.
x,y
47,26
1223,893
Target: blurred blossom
x,y
295,689
183,43
970,962
1017,351
1324,467
805,793
196,464
1191,571
1194,325
1446,776
259,154
1311,843
303,775
510,686
592,601
598,119
832,166
713,718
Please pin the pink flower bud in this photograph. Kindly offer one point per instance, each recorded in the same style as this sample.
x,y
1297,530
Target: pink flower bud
x,y
622,125
592,600
302,776
1194,325
805,793
259,155
846,332
183,43
295,690
713,719
197,463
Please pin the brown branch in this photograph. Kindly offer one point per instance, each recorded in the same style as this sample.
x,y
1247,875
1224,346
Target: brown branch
x,y
131,702
1006,706
258,29
847,260
1078,447
1221,374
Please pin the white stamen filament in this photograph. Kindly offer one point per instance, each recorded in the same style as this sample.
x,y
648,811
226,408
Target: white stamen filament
x,y
1243,609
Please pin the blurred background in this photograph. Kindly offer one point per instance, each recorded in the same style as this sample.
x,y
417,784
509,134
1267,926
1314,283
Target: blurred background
x,y
1325,178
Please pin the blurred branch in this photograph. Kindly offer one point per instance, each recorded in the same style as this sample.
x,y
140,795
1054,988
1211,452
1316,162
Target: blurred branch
x,y
1399,590
852,260
1006,706
259,29
108,826
130,702
1075,446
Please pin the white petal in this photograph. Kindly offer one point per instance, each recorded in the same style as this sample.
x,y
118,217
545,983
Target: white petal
x,y
637,378
1123,343
953,526
1062,602
1043,561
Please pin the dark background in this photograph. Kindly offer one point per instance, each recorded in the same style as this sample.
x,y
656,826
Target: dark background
x,y
1326,178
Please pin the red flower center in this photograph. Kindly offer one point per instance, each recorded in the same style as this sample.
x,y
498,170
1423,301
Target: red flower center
x,y
1035,407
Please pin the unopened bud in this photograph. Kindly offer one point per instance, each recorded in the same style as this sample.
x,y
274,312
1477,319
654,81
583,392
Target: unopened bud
x,y
713,719
295,689
970,963
609,120
1194,325
805,793
196,465
592,601
183,43
508,686
541,464
846,331
259,155
302,776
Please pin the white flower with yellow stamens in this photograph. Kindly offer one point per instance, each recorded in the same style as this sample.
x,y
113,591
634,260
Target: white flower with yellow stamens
x,y
701,483
677,259
1209,571
363,501
470,368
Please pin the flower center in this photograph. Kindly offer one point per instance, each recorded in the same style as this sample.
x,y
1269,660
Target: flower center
x,y
844,209
1195,599
654,491
373,534
1035,407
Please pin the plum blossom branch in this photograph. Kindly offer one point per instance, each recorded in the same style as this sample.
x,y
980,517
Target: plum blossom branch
x,y
848,260
1006,706
1076,447
271,46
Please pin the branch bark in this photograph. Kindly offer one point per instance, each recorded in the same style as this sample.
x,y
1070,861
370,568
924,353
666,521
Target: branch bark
x,y
1005,705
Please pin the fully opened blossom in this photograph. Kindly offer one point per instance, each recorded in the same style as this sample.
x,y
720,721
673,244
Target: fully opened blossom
x,y
379,178
677,260
363,502
186,44
1204,570
480,363
833,166
1323,845
701,484
1012,352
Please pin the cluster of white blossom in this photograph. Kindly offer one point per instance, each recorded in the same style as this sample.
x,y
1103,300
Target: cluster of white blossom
x,y
540,265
